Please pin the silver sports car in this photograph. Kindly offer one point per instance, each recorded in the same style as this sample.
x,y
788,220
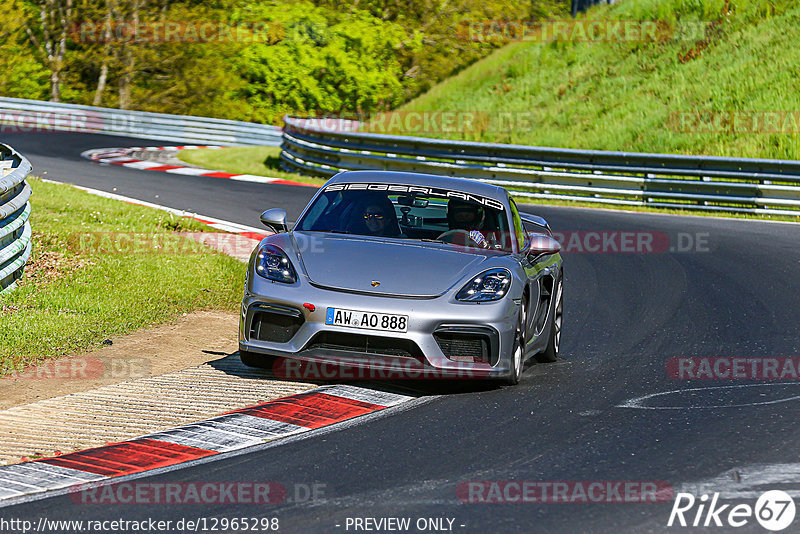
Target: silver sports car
x,y
402,275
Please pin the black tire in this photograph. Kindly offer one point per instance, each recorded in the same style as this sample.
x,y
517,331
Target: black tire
x,y
254,359
518,356
550,353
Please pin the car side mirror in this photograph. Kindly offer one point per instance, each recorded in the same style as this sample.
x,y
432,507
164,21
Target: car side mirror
x,y
542,244
275,220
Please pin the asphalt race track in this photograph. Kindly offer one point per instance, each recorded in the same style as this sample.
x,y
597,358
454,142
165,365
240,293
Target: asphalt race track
x,y
733,293
59,155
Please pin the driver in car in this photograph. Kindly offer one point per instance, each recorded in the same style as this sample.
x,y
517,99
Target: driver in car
x,y
379,219
469,218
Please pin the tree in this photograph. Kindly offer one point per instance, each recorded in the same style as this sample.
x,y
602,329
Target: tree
x,y
49,38
315,57
102,79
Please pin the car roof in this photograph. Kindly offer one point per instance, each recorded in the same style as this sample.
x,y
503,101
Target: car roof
x,y
430,180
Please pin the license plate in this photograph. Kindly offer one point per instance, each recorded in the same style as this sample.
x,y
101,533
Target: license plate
x,y
367,320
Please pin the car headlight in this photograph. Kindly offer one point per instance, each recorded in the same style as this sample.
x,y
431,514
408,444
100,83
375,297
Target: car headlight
x,y
487,286
273,264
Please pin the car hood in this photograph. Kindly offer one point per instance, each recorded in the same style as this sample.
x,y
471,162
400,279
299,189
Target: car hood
x,y
403,268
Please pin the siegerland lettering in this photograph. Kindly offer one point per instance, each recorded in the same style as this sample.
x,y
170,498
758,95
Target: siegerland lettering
x,y
431,191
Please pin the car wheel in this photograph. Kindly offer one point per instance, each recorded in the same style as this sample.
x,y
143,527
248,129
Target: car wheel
x,y
518,356
254,359
550,353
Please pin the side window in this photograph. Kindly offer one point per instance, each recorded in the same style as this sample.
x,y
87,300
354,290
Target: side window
x,y
322,208
519,231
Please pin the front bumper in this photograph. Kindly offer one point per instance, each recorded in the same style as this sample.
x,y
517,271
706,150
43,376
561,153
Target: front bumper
x,y
443,316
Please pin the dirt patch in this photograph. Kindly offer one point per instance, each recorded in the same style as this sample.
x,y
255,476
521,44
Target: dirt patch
x,y
48,265
193,339
713,33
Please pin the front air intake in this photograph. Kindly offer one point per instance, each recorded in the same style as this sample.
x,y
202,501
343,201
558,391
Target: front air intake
x,y
276,325
465,344
364,344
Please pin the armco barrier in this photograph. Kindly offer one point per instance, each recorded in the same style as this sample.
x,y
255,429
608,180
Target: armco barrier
x,y
579,6
20,115
15,229
626,178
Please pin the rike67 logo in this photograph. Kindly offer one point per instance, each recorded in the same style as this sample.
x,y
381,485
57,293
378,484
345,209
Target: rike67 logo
x,y
774,510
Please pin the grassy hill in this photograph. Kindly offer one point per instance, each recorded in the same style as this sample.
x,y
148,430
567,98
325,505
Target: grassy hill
x,y
674,95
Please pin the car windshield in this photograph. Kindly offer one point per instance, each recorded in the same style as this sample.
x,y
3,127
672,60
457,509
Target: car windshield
x,y
409,212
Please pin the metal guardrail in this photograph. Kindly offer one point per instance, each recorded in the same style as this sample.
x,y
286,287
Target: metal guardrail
x,y
20,115
579,6
15,209
759,186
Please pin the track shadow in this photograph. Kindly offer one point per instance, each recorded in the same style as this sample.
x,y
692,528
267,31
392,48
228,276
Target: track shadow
x,y
231,364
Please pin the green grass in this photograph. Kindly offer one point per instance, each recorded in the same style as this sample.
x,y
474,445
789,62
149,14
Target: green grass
x,y
257,160
73,297
626,96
